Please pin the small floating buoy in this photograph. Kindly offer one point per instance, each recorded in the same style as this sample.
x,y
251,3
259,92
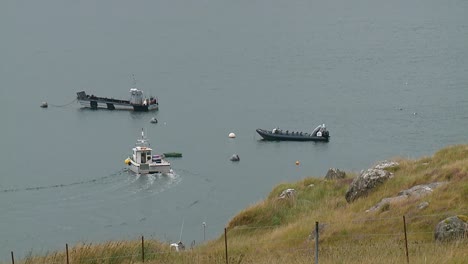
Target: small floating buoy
x,y
297,162
415,113
127,161
154,120
44,105
234,157
232,135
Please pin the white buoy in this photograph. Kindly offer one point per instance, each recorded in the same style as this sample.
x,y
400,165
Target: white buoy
x,y
44,105
232,135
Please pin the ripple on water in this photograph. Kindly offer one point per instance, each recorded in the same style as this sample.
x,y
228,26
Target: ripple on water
x,y
149,183
91,193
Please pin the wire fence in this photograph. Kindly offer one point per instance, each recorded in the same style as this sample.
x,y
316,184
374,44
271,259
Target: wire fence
x,y
399,238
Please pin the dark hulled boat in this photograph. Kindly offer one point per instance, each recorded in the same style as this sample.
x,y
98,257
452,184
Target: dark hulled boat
x,y
318,134
136,103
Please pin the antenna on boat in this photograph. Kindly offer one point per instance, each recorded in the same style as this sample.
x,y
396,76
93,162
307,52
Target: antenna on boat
x,y
134,81
143,142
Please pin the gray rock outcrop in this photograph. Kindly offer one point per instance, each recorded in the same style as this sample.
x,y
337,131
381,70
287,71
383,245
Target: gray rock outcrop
x,y
288,193
369,179
384,201
333,174
386,165
423,205
452,228
365,182
422,190
416,192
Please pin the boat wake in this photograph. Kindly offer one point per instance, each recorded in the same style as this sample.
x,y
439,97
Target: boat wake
x,y
151,183
133,183
101,180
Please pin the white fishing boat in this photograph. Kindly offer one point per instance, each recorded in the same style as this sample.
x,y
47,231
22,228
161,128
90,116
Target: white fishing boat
x,y
143,161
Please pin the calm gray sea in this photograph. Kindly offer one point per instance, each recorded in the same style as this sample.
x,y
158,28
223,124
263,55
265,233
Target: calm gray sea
x,y
388,78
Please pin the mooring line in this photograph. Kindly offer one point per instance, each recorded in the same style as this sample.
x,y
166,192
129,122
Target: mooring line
x,y
74,100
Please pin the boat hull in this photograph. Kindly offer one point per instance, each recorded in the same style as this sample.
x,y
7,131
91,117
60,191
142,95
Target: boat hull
x,y
116,105
268,135
149,168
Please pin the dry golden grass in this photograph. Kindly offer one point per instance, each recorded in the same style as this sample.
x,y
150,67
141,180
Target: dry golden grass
x,y
282,231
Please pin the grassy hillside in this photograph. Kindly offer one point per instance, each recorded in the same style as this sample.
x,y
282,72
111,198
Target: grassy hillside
x,y
282,230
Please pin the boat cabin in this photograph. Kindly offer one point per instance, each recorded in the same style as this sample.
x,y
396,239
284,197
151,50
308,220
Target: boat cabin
x,y
142,155
136,96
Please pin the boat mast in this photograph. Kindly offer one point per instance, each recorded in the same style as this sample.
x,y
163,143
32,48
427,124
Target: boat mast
x,y
134,81
143,142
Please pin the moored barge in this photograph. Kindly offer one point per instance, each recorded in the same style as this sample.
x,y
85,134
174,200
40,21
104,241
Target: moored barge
x,y
137,102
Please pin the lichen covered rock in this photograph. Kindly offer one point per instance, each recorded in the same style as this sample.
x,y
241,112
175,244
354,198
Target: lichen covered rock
x,y
414,192
288,193
365,182
333,174
452,228
386,165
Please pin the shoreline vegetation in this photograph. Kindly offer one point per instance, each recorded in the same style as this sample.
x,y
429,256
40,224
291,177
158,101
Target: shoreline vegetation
x,y
282,230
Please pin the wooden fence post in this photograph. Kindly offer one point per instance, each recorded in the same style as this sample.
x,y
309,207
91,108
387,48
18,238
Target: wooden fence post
x,y
143,248
225,244
66,250
316,241
406,239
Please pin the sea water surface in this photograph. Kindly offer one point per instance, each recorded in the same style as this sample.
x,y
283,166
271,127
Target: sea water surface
x,y
388,78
